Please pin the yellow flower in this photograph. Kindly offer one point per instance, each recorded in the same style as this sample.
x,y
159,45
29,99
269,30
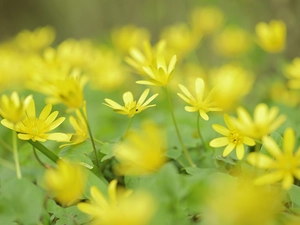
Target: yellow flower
x,y
138,59
234,139
142,152
237,202
282,165
197,102
263,123
131,107
37,129
128,37
66,182
13,109
35,40
125,209
180,39
233,82
206,20
232,42
161,73
292,72
80,126
271,37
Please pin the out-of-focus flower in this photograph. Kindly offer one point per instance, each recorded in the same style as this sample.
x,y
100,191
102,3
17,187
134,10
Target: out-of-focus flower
x,y
66,182
13,109
80,126
180,39
131,107
33,41
106,71
142,152
233,83
236,202
36,129
206,20
232,42
280,93
264,121
128,37
125,208
161,73
234,139
271,37
139,59
292,72
282,165
197,102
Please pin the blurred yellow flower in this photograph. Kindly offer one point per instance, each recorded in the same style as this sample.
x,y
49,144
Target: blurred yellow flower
x,y
264,121
36,129
13,108
233,82
35,40
271,37
180,39
80,126
161,73
66,182
125,208
206,20
128,37
292,72
138,59
238,202
282,165
234,138
142,152
131,107
197,102
232,42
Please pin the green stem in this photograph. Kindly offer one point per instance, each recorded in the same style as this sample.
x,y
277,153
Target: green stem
x,y
126,131
16,157
37,157
199,133
98,141
187,155
91,137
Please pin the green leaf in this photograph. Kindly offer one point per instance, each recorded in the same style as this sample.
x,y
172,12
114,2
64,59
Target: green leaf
x,y
78,153
294,193
93,180
23,200
108,149
174,153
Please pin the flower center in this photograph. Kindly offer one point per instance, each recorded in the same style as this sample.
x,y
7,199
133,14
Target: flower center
x,y
235,137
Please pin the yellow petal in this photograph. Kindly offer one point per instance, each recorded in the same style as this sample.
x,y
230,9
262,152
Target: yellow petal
x,y
271,146
228,149
260,160
221,130
219,142
269,178
289,141
240,151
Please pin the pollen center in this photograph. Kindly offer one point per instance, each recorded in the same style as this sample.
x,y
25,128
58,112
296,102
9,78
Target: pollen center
x,y
235,137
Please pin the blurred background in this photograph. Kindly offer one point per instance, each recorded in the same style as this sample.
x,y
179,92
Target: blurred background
x,y
95,18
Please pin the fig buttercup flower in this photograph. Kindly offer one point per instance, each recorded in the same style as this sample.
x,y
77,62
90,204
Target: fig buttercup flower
x,y
283,165
292,72
37,128
264,121
131,107
80,126
125,208
13,108
142,152
234,139
271,37
198,103
66,182
161,73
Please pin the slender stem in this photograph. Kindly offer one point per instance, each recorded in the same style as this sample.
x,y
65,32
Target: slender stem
x,y
37,157
98,141
199,133
126,131
44,150
187,155
15,152
91,137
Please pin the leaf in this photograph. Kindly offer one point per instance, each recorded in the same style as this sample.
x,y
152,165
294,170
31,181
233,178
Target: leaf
x,y
23,200
174,153
94,180
108,149
78,153
294,193
200,171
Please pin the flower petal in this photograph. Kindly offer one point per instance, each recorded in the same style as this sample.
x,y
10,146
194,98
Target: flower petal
x,y
221,130
228,149
269,178
219,142
260,160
